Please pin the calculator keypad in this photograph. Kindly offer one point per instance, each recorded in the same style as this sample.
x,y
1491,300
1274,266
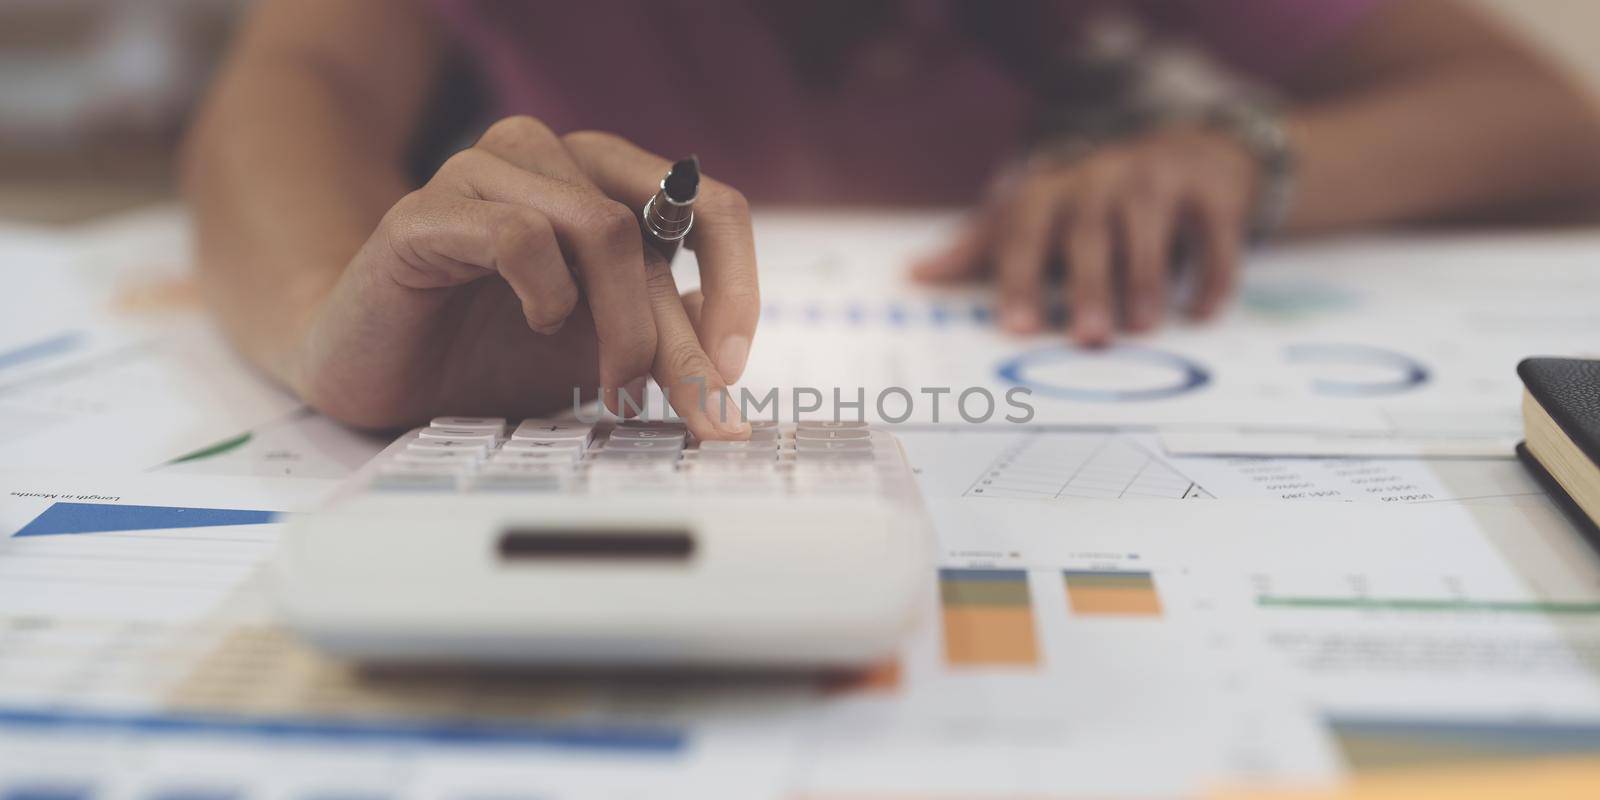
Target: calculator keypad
x,y
476,454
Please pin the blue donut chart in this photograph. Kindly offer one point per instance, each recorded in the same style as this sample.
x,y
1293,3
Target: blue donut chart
x,y
1187,376
1409,372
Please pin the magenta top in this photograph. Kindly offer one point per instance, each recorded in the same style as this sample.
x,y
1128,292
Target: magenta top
x,y
921,106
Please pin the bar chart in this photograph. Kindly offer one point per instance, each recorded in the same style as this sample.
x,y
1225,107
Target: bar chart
x,y
1112,593
987,618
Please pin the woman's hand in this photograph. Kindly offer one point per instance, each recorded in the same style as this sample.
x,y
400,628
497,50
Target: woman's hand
x,y
1114,220
519,273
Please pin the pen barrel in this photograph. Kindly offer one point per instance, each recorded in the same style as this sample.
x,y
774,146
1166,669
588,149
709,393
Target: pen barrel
x,y
666,220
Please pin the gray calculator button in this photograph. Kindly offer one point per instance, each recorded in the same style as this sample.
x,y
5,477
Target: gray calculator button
x,y
736,484
436,468
494,425
765,434
406,476
457,434
823,425
627,456
738,456
724,462
447,445
499,483
565,455
835,434
528,468
659,425
523,477
544,444
838,487
671,445
545,429
636,483
437,456
622,473
823,456
767,446
646,434
804,445
763,425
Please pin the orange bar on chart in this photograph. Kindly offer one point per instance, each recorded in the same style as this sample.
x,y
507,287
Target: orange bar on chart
x,y
1128,594
988,617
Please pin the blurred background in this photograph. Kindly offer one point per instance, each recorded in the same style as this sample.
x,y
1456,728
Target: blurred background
x,y
96,93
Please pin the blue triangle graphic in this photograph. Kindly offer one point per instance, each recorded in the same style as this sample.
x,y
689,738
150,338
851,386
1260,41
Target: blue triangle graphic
x,y
63,518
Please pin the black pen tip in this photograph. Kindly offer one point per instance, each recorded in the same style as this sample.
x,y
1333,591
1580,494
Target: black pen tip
x,y
683,180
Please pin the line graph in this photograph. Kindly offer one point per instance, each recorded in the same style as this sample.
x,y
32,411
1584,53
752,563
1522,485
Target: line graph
x,y
1059,465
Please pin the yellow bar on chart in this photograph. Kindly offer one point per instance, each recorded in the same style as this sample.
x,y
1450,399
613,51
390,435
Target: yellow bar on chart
x,y
988,618
1116,593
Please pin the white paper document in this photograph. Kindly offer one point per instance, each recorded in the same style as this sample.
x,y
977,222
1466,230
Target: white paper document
x,y
1365,347
1114,613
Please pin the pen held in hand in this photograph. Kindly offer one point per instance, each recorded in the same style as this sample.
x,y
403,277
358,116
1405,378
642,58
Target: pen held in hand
x,y
669,215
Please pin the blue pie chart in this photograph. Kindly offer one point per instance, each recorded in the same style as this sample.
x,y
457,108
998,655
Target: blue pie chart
x,y
1376,370
1067,373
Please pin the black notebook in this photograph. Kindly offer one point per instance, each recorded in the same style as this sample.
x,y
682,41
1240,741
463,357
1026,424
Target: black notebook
x,y
1561,426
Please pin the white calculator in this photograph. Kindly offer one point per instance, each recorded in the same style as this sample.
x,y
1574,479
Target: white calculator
x,y
622,544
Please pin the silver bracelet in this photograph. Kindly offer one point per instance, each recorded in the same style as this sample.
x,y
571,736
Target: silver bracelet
x,y
1260,129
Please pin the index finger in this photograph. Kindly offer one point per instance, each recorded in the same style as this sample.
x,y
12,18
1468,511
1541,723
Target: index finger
x,y
682,368
721,238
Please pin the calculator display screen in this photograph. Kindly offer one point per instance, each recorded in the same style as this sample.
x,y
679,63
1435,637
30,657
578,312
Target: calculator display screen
x,y
599,544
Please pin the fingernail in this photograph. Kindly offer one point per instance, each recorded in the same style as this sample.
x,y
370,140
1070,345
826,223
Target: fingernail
x,y
724,414
1019,319
731,357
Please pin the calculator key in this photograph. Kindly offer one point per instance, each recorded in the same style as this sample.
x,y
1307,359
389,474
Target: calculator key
x,y
458,434
637,482
494,425
736,483
741,456
565,455
869,486
522,477
750,446
447,445
644,434
445,467
832,434
836,472
826,456
621,481
526,468
832,444
543,444
465,457
672,445
545,429
651,458
763,424
765,434
520,483
824,425
400,475
766,466
643,424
